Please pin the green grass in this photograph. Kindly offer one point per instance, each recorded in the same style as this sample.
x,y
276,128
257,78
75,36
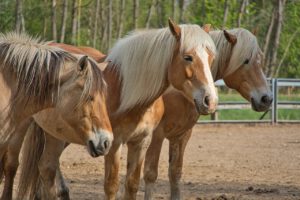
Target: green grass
x,y
248,114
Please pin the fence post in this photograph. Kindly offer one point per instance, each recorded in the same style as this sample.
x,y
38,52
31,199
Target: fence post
x,y
274,104
214,116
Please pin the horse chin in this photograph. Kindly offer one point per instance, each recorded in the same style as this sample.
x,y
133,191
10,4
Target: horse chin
x,y
93,151
258,107
201,109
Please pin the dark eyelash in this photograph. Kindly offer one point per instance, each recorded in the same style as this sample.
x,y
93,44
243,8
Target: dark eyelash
x,y
188,58
246,61
91,98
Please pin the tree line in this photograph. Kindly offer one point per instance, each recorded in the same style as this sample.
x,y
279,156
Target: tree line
x,y
99,23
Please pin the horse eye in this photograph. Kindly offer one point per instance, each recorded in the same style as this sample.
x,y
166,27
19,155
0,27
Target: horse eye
x,y
246,61
91,98
188,58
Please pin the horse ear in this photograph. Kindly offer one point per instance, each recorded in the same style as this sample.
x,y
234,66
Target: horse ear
x,y
230,37
175,29
206,27
82,64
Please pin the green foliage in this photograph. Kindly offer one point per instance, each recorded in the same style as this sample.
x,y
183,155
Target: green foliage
x,y
290,66
6,15
37,15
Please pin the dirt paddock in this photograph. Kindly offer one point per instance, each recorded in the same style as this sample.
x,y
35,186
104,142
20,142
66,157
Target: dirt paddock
x,y
221,162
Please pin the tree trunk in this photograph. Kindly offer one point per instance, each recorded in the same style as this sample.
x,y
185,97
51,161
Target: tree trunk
x,y
286,51
53,20
277,32
79,22
181,10
203,11
101,22
64,21
267,39
135,13
45,20
241,12
109,22
74,21
104,42
158,13
19,18
96,22
150,10
173,10
226,7
121,16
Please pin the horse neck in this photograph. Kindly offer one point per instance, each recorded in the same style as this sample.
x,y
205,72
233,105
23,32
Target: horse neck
x,y
7,85
23,107
218,71
219,68
113,80
31,108
8,78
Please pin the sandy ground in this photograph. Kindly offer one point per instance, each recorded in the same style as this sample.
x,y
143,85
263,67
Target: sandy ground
x,y
221,162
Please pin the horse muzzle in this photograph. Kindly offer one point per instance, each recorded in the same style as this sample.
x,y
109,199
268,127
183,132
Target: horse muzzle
x,y
263,104
205,105
100,145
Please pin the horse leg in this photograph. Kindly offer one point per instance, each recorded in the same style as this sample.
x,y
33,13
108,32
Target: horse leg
x,y
112,164
11,163
62,189
10,159
151,163
176,152
3,149
48,166
135,158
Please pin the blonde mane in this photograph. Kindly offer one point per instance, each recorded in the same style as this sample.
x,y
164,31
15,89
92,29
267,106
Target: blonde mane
x,y
142,59
35,64
245,48
38,68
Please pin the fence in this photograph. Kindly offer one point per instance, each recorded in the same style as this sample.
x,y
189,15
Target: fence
x,y
275,84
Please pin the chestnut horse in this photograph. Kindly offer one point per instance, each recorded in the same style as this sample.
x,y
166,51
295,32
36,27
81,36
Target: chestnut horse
x,y
141,67
36,77
239,63
9,160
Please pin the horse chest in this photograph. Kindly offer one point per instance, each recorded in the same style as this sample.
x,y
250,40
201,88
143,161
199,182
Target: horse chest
x,y
133,128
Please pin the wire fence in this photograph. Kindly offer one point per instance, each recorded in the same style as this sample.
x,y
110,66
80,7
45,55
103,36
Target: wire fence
x,y
275,84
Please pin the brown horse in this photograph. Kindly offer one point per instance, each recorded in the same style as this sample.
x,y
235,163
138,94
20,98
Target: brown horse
x,y
238,62
141,67
9,160
36,77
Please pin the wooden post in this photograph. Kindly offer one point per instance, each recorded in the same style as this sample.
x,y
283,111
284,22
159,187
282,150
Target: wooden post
x,y
274,104
214,116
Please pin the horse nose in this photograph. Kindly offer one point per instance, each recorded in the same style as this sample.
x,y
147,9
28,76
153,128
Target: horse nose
x,y
209,103
104,145
206,101
266,99
100,145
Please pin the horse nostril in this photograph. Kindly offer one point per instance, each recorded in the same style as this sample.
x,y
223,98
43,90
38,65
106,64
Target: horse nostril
x,y
206,101
92,148
106,144
266,99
